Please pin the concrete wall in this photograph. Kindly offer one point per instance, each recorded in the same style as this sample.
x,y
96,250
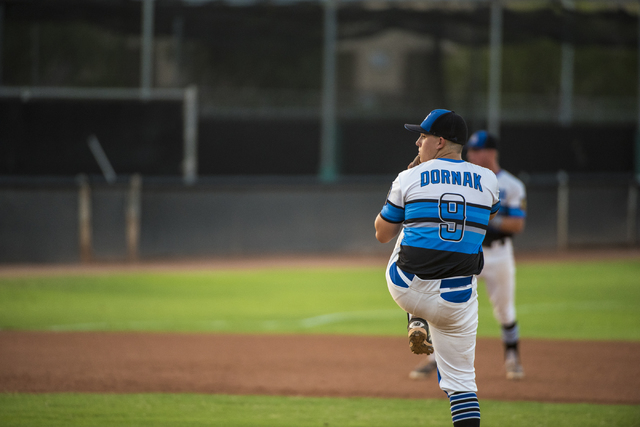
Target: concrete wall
x,y
256,221
40,223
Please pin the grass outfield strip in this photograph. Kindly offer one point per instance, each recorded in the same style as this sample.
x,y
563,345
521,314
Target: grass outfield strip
x,y
79,410
578,300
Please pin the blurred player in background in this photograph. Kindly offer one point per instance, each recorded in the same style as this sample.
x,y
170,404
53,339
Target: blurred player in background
x,y
499,263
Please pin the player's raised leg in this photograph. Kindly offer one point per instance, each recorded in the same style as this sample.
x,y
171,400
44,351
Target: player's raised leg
x,y
419,336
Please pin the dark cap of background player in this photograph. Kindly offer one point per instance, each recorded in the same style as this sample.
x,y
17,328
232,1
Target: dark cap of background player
x,y
444,123
481,140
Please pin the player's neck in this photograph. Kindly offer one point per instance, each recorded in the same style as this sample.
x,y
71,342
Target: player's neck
x,y
448,155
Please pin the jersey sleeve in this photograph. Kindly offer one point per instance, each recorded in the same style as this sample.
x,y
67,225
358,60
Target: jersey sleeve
x,y
515,204
495,193
496,207
393,209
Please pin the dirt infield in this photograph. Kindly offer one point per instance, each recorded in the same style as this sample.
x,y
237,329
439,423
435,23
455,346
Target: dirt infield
x,y
38,362
310,365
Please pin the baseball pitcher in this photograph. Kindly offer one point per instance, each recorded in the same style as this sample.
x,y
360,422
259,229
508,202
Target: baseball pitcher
x,y
443,206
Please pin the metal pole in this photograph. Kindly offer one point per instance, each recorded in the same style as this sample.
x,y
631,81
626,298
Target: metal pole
x,y
133,217
178,41
102,159
190,135
35,53
1,38
328,143
84,219
475,108
566,85
114,93
637,156
632,213
495,70
146,54
566,70
563,210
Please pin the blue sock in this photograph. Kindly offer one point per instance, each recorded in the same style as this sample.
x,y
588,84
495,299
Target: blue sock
x,y
465,409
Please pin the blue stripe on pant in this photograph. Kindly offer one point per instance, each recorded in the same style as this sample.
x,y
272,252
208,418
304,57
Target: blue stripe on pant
x,y
394,273
456,296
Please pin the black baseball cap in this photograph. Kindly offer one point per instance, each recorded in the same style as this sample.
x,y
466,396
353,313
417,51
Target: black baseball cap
x,y
444,123
481,140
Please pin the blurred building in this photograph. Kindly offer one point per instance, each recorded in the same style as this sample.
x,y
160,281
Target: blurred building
x,y
567,69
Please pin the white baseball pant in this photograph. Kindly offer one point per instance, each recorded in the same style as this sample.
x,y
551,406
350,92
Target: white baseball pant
x,y
499,274
453,325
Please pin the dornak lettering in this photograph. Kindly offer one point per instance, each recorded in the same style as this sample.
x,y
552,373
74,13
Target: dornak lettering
x,y
444,176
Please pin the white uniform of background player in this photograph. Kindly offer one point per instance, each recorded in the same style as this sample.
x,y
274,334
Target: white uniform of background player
x,y
499,268
443,206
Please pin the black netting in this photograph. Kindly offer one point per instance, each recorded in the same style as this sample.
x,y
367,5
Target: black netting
x,y
258,68
221,23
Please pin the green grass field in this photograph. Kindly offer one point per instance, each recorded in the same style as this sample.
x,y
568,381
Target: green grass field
x,y
110,410
586,301
565,301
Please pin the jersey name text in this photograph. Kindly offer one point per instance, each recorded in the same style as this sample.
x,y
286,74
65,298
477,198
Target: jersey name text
x,y
444,176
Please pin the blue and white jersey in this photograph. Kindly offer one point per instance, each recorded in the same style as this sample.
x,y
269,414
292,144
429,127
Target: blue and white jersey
x,y
444,206
513,203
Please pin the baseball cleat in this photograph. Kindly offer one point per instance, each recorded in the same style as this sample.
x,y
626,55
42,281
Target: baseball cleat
x,y
512,365
424,370
419,336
